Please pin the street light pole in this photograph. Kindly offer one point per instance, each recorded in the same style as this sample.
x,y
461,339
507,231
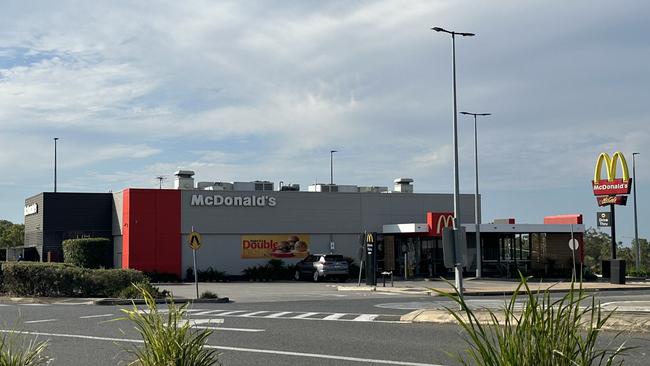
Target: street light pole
x,y
332,166
477,219
55,140
458,268
636,227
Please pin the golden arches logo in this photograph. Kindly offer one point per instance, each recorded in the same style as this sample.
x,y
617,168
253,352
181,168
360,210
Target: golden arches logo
x,y
611,164
444,221
370,239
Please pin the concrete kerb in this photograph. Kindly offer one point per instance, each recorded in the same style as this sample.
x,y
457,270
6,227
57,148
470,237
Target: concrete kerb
x,y
632,322
221,300
551,287
105,301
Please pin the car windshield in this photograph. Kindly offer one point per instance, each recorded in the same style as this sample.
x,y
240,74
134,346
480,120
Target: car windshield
x,y
334,258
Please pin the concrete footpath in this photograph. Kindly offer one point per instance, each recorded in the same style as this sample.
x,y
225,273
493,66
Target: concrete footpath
x,y
630,320
477,287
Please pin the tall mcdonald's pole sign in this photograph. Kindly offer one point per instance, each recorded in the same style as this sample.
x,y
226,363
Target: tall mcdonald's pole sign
x,y
613,190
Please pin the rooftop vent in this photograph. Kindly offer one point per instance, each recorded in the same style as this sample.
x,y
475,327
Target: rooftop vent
x,y
184,179
403,185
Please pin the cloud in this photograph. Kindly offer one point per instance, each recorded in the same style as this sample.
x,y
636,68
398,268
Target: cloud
x,y
244,90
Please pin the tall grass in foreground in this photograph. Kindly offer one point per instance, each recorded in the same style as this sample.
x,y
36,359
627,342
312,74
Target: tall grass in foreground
x,y
168,338
544,332
15,350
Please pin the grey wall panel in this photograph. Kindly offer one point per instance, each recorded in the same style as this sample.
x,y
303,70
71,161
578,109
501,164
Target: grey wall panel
x,y
316,213
118,220
223,252
117,251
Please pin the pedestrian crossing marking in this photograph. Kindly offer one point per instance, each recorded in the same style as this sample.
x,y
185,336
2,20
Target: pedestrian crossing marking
x,y
277,315
365,318
292,315
254,313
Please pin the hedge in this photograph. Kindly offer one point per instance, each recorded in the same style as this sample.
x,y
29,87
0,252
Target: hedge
x,y
88,252
65,280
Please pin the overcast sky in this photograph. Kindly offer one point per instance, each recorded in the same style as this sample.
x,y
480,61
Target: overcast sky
x,y
250,90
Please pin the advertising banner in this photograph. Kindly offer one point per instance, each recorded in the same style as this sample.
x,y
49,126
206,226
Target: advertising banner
x,y
280,246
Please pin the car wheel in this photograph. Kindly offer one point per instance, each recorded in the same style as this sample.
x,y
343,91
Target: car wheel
x,y
316,276
296,276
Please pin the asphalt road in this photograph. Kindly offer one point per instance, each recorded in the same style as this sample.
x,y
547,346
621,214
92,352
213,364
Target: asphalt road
x,y
355,329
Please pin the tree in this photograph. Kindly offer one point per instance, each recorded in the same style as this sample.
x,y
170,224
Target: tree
x,y
11,235
645,254
597,248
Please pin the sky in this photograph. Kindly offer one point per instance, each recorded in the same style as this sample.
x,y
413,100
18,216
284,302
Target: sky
x,y
263,90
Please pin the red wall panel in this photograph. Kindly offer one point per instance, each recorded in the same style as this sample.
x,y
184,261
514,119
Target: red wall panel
x,y
152,230
563,219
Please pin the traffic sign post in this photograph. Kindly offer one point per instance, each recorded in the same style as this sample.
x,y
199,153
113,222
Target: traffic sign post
x,y
195,243
574,244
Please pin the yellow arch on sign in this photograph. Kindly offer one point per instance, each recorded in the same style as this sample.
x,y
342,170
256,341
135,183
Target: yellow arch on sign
x,y
611,164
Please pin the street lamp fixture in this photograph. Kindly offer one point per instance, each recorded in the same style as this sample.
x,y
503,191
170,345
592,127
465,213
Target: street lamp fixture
x,y
55,140
332,166
479,256
458,269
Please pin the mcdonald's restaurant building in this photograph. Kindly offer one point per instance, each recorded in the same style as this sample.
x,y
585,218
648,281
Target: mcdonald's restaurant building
x,y
248,223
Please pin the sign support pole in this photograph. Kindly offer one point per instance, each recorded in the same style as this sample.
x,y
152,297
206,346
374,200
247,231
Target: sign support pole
x,y
196,275
360,271
613,231
573,255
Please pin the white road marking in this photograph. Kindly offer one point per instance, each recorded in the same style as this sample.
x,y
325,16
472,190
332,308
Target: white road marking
x,y
365,318
219,312
277,315
96,316
237,349
36,304
334,316
254,313
251,330
301,316
40,321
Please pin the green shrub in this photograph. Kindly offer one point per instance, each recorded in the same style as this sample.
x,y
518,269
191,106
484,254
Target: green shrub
x,y
208,295
135,291
65,280
88,252
545,332
275,269
162,277
210,275
16,351
111,282
168,338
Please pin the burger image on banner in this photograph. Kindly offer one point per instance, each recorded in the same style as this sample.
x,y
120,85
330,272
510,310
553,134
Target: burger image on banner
x,y
274,246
